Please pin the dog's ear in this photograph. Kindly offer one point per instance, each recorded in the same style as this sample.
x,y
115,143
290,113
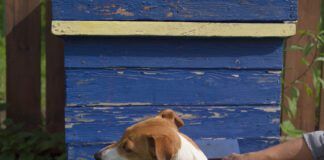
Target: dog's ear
x,y
172,116
162,147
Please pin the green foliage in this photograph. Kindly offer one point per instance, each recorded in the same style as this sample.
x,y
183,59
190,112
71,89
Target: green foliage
x,y
292,103
289,128
17,144
315,44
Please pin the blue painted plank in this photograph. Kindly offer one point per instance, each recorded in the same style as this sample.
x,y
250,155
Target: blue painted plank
x,y
256,144
85,152
218,148
106,124
180,10
237,53
172,87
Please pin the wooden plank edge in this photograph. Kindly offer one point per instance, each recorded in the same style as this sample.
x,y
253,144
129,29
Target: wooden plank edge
x,y
185,29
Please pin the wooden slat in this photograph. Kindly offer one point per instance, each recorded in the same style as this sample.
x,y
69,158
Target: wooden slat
x,y
144,86
309,13
235,53
23,61
184,10
182,29
55,88
106,124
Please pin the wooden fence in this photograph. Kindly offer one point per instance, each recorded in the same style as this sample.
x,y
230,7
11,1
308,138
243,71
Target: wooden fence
x,y
23,43
23,37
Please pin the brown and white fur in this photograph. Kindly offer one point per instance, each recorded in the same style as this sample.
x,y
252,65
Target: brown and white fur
x,y
156,138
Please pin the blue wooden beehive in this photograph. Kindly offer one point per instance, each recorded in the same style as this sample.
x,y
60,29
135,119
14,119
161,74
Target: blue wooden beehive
x,y
216,62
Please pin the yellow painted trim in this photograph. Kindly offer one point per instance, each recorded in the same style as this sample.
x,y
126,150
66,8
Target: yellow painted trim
x,y
189,29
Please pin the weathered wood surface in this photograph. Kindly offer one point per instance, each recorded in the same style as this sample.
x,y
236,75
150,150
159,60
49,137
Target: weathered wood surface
x,y
55,88
172,29
201,122
189,10
235,53
172,87
226,88
309,13
23,61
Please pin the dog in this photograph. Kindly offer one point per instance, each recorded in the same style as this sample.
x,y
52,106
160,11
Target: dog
x,y
156,138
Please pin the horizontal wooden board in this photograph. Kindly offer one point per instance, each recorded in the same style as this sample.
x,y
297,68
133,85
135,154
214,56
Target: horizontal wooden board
x,y
172,29
188,10
85,152
171,87
106,124
238,53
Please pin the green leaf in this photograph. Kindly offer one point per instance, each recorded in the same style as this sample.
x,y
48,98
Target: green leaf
x,y
309,90
304,61
288,128
308,49
297,48
295,92
320,39
321,59
321,82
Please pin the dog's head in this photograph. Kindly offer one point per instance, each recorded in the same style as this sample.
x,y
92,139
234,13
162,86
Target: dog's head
x,y
155,138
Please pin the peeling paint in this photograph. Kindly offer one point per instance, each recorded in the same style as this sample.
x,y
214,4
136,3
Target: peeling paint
x,y
194,123
218,115
120,104
187,116
69,125
275,72
275,121
147,8
169,14
123,12
120,72
268,109
199,73
150,73
102,108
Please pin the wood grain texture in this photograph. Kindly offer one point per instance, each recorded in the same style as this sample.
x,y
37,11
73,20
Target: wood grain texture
x,y
172,29
321,121
86,151
55,78
309,15
106,124
171,87
23,61
235,53
184,10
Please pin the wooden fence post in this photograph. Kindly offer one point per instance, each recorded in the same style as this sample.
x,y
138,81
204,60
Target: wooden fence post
x,y
309,15
55,88
23,34
321,121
